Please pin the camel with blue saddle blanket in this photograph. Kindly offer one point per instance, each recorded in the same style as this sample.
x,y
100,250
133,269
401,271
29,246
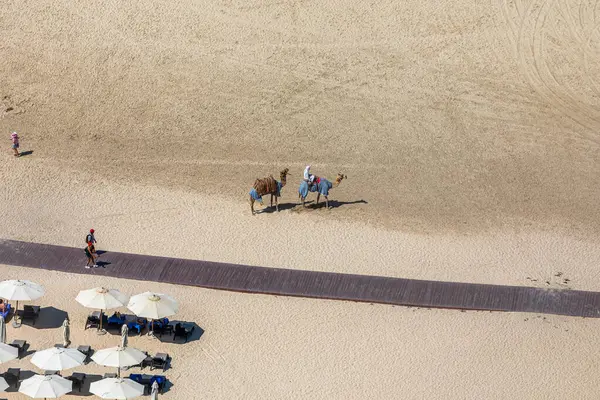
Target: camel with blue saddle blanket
x,y
266,186
321,186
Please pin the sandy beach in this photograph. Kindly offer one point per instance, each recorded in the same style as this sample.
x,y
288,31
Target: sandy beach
x,y
469,133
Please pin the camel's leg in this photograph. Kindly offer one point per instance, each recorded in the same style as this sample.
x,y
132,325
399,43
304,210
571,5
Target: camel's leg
x,y
276,204
318,196
326,202
252,205
271,201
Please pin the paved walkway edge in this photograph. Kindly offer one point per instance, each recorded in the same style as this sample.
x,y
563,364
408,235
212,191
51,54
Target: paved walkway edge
x,y
303,283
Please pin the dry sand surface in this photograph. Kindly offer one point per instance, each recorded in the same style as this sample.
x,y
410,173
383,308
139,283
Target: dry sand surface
x,y
448,115
470,134
267,347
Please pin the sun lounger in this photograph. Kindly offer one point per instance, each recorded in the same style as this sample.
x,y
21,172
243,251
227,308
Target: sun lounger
x,y
31,313
78,380
160,361
110,375
148,380
19,344
93,320
50,373
12,376
115,321
138,324
183,331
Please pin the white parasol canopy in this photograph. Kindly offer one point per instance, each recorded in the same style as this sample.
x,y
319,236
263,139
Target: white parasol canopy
x,y
117,388
3,385
8,352
57,359
119,357
153,305
45,387
101,298
20,290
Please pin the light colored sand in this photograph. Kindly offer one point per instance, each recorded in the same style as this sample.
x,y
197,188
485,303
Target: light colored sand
x,y
469,133
257,347
453,115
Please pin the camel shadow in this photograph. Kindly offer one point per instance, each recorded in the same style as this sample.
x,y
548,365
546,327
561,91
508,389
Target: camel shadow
x,y
337,204
282,207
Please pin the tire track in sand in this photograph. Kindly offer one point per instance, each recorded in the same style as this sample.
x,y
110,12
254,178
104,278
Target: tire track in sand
x,y
540,45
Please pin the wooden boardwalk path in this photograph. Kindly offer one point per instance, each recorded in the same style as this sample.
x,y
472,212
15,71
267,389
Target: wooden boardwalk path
x,y
321,285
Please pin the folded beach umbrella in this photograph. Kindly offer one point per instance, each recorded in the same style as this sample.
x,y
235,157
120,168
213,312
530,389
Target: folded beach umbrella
x,y
117,388
57,359
119,357
20,290
2,330
153,305
8,352
45,387
102,299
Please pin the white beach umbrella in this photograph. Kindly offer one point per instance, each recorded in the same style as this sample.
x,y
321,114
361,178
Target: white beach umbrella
x,y
102,299
20,290
8,352
117,388
57,359
119,357
3,385
153,305
2,330
45,387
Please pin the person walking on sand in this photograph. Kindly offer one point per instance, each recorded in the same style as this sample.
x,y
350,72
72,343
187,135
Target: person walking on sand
x,y
15,143
90,253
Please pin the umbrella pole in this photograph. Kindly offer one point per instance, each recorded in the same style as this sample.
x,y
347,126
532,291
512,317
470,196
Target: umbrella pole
x,y
100,331
15,323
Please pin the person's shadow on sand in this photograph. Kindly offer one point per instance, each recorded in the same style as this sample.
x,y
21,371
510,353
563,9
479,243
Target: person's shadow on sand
x,y
25,153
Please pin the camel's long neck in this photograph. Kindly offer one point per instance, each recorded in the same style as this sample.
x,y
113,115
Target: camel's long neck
x,y
283,180
337,182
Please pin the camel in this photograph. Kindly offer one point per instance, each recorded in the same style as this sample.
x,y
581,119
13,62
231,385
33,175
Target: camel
x,y
321,186
268,186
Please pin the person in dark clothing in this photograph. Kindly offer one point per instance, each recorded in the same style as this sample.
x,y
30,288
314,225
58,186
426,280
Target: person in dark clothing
x,y
90,253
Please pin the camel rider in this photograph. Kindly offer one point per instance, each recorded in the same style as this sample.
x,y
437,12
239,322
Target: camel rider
x,y
308,177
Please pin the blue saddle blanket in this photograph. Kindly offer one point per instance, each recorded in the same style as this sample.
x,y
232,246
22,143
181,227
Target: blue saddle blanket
x,y
322,187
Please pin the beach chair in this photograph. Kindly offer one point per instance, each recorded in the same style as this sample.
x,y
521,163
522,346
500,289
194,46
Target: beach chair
x,y
138,325
115,321
78,380
30,312
110,375
183,332
160,361
93,320
19,344
161,380
12,376
146,362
